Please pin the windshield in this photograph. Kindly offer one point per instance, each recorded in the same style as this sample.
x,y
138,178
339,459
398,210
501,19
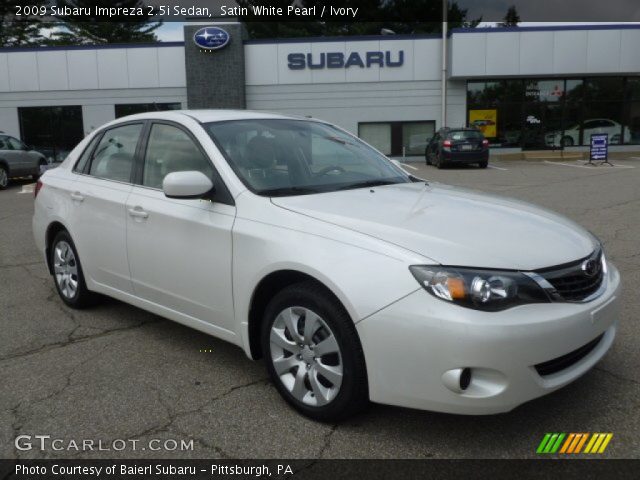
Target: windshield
x,y
278,157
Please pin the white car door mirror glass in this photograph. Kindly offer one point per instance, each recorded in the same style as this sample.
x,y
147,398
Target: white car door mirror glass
x,y
189,184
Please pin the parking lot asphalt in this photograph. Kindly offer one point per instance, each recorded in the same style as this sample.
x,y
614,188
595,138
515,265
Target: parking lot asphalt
x,y
117,372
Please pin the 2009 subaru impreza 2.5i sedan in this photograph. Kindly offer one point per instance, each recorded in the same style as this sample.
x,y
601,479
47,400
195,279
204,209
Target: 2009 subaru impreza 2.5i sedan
x,y
355,281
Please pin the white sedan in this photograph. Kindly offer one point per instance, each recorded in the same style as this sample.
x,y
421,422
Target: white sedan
x,y
571,136
301,244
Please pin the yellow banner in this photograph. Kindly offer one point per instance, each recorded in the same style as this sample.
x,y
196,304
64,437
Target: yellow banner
x,y
486,121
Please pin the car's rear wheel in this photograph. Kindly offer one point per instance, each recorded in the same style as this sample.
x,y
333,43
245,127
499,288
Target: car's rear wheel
x,y
4,177
67,273
440,163
41,164
313,353
567,141
483,164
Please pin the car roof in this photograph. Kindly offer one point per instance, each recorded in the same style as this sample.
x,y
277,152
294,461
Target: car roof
x,y
211,115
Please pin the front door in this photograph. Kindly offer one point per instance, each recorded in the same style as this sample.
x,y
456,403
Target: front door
x,y
180,250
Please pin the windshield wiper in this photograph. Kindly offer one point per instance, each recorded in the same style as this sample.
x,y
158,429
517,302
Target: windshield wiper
x,y
368,183
283,191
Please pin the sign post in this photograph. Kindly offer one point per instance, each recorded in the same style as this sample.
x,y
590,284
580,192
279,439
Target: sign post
x,y
599,149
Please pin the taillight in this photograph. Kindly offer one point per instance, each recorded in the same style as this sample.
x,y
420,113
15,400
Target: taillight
x,y
36,190
447,143
485,143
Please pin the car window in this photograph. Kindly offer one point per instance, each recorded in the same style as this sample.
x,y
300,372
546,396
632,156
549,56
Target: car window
x,y
3,143
15,144
81,164
465,135
591,124
170,150
114,154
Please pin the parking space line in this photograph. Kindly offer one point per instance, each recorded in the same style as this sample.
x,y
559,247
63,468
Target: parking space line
x,y
408,166
497,168
27,188
585,166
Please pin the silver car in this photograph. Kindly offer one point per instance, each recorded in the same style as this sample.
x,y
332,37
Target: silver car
x,y
18,160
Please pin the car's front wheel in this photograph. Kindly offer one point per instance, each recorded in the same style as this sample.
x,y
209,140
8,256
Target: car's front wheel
x,y
4,177
313,353
67,272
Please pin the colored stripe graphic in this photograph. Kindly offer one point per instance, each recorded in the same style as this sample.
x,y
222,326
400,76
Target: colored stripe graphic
x,y
573,443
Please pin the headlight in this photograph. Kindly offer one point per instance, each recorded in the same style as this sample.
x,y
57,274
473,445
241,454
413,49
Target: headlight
x,y
489,290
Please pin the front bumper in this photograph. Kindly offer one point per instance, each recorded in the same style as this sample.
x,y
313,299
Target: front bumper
x,y
412,343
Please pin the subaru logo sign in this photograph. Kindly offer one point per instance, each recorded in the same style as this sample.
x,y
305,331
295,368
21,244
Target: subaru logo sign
x,y
211,38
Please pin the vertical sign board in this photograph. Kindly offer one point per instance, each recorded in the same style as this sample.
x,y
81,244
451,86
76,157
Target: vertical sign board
x,y
599,147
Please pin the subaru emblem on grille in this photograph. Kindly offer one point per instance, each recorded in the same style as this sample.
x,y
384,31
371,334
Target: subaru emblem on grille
x,y
589,267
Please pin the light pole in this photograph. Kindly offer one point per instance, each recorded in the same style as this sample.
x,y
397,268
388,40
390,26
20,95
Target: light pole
x,y
444,63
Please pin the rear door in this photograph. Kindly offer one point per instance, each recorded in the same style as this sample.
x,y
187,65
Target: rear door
x,y
180,250
98,200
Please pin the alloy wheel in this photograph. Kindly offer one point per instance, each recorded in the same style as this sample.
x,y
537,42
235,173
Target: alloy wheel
x,y
306,356
65,268
4,178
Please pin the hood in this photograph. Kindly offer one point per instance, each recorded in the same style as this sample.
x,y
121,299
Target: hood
x,y
452,226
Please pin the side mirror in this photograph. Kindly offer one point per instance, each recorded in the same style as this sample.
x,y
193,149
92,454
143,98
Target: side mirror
x,y
186,185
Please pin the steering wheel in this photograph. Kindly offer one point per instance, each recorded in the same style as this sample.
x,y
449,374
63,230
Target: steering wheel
x,y
331,168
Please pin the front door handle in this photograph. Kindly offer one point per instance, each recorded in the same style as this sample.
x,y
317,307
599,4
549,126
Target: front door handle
x,y
138,212
77,196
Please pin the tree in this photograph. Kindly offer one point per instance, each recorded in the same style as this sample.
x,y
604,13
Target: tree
x,y
400,16
84,30
511,19
18,31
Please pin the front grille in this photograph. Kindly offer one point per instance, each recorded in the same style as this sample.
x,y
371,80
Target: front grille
x,y
565,361
571,281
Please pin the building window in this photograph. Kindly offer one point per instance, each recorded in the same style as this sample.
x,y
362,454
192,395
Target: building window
x,y
555,113
133,108
378,135
398,138
53,131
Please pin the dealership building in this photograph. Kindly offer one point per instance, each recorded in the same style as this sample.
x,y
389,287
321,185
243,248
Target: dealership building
x,y
527,88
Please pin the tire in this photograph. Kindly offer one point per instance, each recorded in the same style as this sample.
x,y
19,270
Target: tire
x,y
67,273
484,164
4,177
426,158
440,164
301,381
566,141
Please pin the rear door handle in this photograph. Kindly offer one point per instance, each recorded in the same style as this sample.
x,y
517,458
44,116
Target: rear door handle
x,y
138,212
77,196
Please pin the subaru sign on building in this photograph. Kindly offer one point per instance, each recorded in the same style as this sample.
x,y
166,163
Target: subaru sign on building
x,y
525,87
211,38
